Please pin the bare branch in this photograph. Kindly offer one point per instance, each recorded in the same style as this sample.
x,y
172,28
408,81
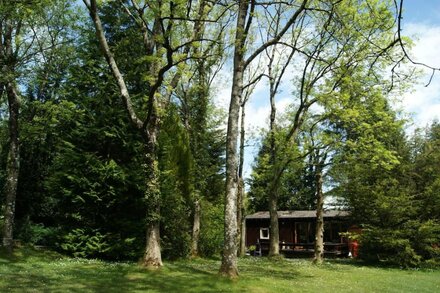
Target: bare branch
x,y
255,80
402,45
276,39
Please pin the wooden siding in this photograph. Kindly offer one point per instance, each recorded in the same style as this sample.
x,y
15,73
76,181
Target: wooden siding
x,y
296,231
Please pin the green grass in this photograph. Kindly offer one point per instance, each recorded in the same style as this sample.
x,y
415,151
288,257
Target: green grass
x,y
29,270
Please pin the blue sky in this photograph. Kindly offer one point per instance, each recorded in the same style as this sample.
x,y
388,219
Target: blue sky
x,y
422,11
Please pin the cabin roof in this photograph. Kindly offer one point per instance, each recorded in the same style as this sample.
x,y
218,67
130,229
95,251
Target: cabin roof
x,y
299,214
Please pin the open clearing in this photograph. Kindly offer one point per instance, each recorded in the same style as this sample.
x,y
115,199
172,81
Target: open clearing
x,y
42,271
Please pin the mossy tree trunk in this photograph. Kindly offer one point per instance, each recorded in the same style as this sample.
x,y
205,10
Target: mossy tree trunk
x,y
319,233
10,26
12,167
229,257
152,256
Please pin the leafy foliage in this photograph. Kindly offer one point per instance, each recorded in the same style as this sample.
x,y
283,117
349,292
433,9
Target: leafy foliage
x,y
296,188
81,174
82,243
373,176
212,229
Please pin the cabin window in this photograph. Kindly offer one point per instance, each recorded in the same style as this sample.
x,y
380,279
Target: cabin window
x,y
264,233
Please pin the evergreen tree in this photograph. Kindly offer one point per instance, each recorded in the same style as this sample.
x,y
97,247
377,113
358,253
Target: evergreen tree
x,y
372,175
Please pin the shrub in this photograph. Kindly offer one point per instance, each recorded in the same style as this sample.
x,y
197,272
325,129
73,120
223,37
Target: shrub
x,y
211,230
411,245
175,241
426,240
84,243
36,233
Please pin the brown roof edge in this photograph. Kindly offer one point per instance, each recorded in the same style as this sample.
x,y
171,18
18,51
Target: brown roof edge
x,y
299,214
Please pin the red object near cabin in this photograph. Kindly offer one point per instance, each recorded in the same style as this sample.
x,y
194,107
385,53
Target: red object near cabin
x,y
354,248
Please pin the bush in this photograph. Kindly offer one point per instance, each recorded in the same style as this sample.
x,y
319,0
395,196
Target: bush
x,y
414,244
387,246
211,230
84,243
36,233
426,239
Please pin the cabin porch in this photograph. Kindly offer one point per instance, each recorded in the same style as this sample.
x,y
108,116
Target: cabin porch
x,y
297,232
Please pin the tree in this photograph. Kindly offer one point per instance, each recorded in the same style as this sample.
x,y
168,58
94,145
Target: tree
x,y
93,189
371,172
425,170
343,37
240,62
319,162
196,111
158,24
241,196
320,144
276,69
426,186
27,33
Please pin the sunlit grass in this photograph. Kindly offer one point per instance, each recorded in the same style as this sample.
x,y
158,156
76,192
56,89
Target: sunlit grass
x,y
42,271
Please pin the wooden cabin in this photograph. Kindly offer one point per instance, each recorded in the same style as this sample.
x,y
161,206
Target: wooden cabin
x,y
297,232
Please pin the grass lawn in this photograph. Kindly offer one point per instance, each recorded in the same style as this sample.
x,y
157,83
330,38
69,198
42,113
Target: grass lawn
x,y
42,271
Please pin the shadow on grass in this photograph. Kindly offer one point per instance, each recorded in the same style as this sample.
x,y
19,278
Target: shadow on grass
x,y
45,271
27,253
38,273
105,280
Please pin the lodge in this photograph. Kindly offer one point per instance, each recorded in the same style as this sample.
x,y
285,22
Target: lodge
x,y
297,232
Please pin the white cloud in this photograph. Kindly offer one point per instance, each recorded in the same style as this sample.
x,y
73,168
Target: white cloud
x,y
427,42
257,116
223,97
222,88
423,103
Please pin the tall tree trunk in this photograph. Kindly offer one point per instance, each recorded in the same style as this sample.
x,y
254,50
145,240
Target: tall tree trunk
x,y
319,234
229,257
152,257
243,237
195,230
13,167
241,194
197,136
274,232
